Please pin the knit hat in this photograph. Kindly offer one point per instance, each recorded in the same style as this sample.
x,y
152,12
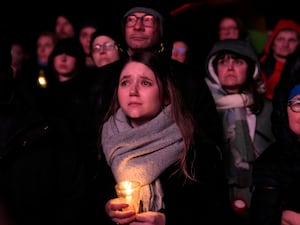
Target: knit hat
x,y
106,31
69,46
88,22
295,91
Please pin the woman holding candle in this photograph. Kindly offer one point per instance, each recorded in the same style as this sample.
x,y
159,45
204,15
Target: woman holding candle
x,y
149,136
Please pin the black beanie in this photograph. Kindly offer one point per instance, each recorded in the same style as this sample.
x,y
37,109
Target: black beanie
x,y
69,46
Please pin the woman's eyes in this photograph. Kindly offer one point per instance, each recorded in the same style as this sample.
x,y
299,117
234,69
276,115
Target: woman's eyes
x,y
143,83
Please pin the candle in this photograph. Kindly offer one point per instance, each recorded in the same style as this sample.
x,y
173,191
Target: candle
x,y
130,191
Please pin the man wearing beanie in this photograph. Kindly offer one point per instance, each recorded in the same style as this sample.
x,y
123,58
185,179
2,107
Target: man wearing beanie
x,y
145,27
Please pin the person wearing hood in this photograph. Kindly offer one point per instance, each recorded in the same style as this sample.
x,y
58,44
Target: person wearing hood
x,y
276,173
283,41
232,71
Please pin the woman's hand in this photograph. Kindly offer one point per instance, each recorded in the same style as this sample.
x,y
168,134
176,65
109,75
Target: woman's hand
x,y
114,208
149,218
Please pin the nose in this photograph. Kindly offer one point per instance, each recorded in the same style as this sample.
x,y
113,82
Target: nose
x,y
133,89
230,65
101,50
64,57
285,43
139,24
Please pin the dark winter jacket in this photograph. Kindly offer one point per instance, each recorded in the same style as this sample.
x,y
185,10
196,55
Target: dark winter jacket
x,y
277,171
41,179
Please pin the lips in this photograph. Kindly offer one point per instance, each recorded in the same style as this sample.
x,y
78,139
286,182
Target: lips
x,y
138,37
62,66
134,103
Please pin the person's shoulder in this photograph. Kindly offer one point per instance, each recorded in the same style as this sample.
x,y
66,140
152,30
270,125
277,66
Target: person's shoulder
x,y
271,154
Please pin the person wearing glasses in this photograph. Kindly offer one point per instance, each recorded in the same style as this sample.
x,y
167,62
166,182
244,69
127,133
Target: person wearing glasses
x,y
276,174
231,27
105,47
180,51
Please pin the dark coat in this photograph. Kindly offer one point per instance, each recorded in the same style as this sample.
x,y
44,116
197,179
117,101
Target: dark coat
x,y
276,173
42,180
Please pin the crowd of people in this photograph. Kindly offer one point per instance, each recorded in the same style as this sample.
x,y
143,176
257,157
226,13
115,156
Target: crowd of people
x,y
95,106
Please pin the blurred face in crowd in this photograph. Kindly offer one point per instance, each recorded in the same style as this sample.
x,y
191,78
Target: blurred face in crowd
x,y
64,28
104,51
285,43
44,47
232,73
85,35
142,31
18,55
228,29
293,110
139,93
179,51
64,66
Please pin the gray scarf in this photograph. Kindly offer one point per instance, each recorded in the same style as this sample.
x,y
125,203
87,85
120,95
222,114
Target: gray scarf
x,y
142,153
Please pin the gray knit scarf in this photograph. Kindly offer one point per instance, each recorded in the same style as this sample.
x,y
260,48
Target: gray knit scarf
x,y
233,111
142,153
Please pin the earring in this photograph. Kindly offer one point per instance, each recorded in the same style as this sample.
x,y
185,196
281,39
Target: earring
x,y
119,48
161,48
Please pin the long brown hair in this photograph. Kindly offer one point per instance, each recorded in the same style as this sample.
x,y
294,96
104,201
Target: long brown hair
x,y
184,120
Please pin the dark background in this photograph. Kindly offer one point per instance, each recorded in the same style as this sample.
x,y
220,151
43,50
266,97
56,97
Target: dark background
x,y
197,22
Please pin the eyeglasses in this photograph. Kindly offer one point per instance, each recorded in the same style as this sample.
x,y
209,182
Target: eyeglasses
x,y
180,50
108,46
294,105
147,20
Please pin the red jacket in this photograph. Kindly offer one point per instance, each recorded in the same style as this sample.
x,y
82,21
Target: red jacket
x,y
271,76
